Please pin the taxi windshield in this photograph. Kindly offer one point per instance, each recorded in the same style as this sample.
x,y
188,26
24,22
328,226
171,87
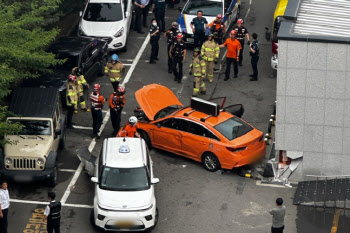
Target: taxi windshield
x,y
233,128
209,8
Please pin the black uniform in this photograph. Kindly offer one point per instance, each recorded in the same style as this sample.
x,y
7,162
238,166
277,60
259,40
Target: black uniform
x,y
154,42
199,34
145,13
241,32
138,17
255,59
159,13
53,219
178,56
171,35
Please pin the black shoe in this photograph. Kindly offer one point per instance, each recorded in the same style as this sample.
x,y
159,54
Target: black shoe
x,y
240,64
252,75
253,79
156,59
141,32
69,127
145,25
179,81
152,62
170,71
225,79
235,76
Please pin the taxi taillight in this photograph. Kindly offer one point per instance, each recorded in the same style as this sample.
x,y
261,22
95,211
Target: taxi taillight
x,y
237,149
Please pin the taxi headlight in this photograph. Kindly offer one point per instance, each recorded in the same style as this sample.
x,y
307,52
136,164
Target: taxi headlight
x,y
8,160
40,161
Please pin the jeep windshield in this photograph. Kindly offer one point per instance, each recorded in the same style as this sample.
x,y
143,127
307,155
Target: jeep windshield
x,y
124,179
103,12
233,128
33,127
209,7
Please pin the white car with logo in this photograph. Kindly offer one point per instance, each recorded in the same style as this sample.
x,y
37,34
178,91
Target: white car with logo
x,y
107,19
124,187
230,10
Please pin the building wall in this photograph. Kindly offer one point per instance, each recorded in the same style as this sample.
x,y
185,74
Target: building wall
x,y
313,106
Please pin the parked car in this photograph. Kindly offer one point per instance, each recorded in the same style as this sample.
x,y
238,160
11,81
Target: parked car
x,y
79,52
205,131
33,156
124,187
109,19
230,9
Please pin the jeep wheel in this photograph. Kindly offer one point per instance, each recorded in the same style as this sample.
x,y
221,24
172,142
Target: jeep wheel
x,y
62,144
210,162
52,181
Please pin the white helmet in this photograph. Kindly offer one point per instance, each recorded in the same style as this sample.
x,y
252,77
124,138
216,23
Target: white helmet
x,y
133,120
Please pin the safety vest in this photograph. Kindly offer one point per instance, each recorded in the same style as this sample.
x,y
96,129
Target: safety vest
x,y
71,94
95,102
55,211
127,131
81,81
114,72
217,31
210,50
198,66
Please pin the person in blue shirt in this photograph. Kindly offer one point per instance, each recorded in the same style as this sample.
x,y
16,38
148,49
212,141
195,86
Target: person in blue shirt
x,y
199,25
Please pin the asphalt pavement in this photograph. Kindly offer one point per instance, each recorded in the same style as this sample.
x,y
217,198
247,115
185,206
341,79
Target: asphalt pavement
x,y
190,199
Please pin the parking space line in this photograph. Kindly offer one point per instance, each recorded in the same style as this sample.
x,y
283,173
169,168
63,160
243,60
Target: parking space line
x,y
46,203
67,170
82,127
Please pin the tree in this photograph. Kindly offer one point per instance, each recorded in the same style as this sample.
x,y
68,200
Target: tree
x,y
25,31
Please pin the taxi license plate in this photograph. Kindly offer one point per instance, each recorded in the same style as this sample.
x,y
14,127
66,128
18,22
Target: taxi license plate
x,y
124,224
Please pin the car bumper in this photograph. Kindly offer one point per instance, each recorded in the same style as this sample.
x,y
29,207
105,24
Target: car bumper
x,y
274,62
251,157
118,43
27,176
136,217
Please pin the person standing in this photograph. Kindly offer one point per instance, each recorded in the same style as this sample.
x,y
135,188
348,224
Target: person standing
x,y
71,100
217,27
198,25
178,54
4,206
115,70
171,35
197,68
81,86
232,55
52,214
155,35
116,105
254,53
278,214
211,53
145,10
158,8
242,33
97,102
138,15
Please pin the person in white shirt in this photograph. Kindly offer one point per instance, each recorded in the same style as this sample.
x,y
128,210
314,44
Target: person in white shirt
x,y
4,206
52,214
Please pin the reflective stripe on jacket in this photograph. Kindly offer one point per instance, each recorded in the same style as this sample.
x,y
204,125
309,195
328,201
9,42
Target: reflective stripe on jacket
x,y
198,66
210,50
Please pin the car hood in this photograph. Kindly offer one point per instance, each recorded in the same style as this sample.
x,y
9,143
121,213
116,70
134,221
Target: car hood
x,y
154,97
101,29
127,200
30,146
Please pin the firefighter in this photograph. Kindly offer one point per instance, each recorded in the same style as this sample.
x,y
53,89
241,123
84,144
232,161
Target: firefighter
x,y
171,35
97,102
178,54
242,33
130,129
116,104
82,85
210,53
71,99
115,70
217,27
197,68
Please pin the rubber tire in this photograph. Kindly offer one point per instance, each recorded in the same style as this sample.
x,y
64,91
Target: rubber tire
x,y
125,49
52,181
207,154
62,144
92,218
145,137
103,66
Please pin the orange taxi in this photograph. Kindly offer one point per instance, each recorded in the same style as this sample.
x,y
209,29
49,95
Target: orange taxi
x,y
205,131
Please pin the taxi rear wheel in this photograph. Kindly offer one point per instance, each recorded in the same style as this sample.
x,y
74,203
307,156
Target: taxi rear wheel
x,y
210,162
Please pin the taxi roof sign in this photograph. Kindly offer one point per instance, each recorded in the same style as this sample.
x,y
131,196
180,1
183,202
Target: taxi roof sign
x,y
205,106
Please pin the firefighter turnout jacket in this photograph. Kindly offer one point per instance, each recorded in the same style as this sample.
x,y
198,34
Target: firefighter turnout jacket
x,y
81,83
210,50
197,66
71,94
115,71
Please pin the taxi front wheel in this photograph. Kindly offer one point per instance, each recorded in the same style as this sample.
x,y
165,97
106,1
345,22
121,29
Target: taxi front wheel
x,y
210,162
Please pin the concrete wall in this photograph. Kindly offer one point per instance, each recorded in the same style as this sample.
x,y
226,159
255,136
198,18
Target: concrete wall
x,y
313,106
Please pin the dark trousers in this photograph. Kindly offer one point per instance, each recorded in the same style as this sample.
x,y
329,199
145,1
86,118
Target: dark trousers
x,y
171,3
144,15
254,62
160,18
229,62
115,86
177,62
277,230
170,66
241,52
138,17
116,118
96,120
218,40
70,112
3,221
199,38
155,49
53,225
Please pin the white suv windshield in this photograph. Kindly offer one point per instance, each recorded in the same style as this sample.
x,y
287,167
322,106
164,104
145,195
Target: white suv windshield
x,y
124,179
32,127
209,8
103,12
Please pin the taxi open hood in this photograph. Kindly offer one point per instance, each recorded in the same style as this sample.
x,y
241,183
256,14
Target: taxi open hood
x,y
154,97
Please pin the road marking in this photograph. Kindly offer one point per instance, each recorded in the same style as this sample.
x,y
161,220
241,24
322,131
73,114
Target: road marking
x,y
335,221
127,64
46,203
82,127
67,170
246,15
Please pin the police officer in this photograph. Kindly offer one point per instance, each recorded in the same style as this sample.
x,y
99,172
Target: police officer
x,y
197,68
199,24
97,102
115,70
254,53
218,29
145,11
158,8
116,105
71,99
171,38
52,214
178,54
138,16
242,33
155,35
210,52
81,86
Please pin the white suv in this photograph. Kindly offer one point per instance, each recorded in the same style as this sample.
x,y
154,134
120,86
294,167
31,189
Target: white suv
x,y
124,187
107,19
